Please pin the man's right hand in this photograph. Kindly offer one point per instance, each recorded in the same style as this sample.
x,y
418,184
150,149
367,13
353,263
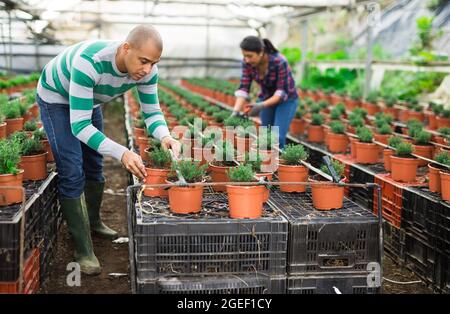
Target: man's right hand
x,y
133,163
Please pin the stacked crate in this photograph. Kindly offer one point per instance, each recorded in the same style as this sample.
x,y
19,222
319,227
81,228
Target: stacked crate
x,y
426,223
206,252
39,238
328,251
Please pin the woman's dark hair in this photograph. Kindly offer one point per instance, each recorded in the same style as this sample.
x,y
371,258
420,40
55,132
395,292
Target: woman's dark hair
x,y
256,44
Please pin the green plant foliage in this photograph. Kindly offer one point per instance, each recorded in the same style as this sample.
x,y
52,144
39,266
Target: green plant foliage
x,y
39,135
393,141
422,138
315,108
242,173
160,158
31,147
384,129
338,168
191,170
404,150
443,158
140,124
335,114
317,119
414,127
293,154
9,156
30,126
356,121
267,140
365,135
221,116
225,152
254,159
337,127
11,110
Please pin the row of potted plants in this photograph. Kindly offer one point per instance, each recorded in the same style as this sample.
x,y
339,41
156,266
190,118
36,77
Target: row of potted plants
x,y
18,83
22,157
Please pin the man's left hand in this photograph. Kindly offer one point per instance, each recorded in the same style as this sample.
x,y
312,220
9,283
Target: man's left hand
x,y
168,142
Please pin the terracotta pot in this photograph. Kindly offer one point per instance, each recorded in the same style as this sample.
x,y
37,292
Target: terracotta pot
x,y
297,127
219,174
287,173
432,122
403,115
34,110
372,109
439,139
351,129
315,133
269,176
442,122
9,196
138,132
387,153
243,144
326,131
337,143
34,167
228,134
326,196
403,169
351,104
445,185
13,125
142,143
185,200
156,176
434,177
3,130
199,155
382,138
245,201
48,149
391,111
366,153
269,158
414,115
335,99
353,141
424,151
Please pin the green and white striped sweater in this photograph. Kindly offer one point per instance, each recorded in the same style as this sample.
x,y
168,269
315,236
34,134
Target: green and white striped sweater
x,y
84,76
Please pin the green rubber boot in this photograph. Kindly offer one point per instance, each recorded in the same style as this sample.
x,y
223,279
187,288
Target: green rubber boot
x,y
75,213
93,191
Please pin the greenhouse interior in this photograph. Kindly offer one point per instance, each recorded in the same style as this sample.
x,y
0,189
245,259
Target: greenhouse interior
x,y
225,147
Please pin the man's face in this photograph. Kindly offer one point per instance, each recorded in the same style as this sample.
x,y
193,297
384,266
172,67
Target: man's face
x,y
140,60
252,58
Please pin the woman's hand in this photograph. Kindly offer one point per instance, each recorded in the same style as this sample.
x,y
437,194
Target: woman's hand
x,y
255,109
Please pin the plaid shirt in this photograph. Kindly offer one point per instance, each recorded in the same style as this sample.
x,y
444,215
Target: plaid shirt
x,y
278,80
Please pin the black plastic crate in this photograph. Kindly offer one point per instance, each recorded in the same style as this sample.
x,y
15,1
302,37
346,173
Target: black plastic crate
x,y
10,237
209,243
333,284
427,213
254,284
426,260
336,241
394,242
362,196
